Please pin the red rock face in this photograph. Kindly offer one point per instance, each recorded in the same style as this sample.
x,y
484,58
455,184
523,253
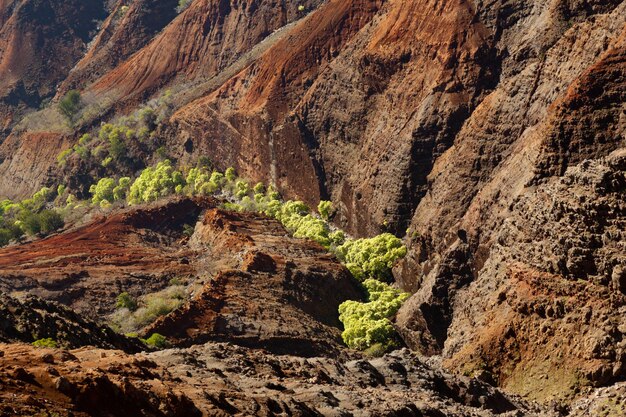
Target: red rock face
x,y
126,31
87,267
205,39
283,295
256,285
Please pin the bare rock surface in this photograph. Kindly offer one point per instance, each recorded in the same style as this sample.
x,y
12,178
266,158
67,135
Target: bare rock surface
x,y
222,379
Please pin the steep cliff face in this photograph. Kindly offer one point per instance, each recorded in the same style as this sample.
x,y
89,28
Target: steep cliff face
x,y
40,41
450,127
205,45
557,132
129,27
332,101
205,39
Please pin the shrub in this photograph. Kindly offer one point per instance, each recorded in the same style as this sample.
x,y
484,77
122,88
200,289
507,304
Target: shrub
x,y
199,181
188,230
5,236
70,105
148,118
124,300
373,257
242,189
50,221
84,139
230,174
156,182
325,209
107,161
337,238
117,146
121,190
161,152
45,343
102,191
157,340
367,324
182,5
259,188
149,308
295,216
62,157
29,222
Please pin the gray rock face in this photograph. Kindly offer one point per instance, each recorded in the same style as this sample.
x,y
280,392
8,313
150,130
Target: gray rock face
x,y
542,306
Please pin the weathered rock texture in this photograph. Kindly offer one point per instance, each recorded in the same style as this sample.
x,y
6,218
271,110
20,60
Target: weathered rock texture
x,y
267,289
221,380
138,251
252,283
33,318
40,41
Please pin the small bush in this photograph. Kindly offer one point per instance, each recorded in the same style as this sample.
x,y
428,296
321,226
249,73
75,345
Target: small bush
x,y
62,157
325,209
45,343
157,340
102,191
367,324
149,308
259,188
182,5
373,257
230,174
117,146
156,182
188,230
50,221
70,105
124,300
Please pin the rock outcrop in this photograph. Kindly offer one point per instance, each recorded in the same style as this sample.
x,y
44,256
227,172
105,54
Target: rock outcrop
x,y
250,282
32,319
137,251
267,289
222,379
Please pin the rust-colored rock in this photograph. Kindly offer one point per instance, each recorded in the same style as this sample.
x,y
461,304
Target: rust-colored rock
x,y
88,266
267,289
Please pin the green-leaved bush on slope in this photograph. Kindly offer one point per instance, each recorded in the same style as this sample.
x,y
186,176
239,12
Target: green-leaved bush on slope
x,y
29,216
107,191
182,5
70,105
157,340
372,257
156,182
45,343
370,260
131,316
367,324
325,209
